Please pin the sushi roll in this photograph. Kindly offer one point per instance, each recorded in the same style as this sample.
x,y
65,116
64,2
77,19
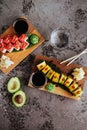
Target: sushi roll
x,y
50,74
78,92
55,78
7,39
41,65
62,79
46,69
68,82
9,47
17,45
2,48
1,40
14,39
24,45
73,86
23,38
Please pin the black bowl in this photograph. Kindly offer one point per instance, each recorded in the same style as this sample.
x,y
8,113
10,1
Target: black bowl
x,y
38,79
21,26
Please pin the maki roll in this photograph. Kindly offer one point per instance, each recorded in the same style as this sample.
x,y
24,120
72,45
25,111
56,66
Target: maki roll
x,y
55,78
23,38
73,86
14,39
17,45
7,39
24,45
68,82
46,69
9,47
50,74
78,92
1,40
41,65
2,48
62,79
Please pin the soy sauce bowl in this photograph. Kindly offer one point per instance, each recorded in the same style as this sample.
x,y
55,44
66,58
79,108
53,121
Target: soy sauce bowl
x,y
38,79
20,26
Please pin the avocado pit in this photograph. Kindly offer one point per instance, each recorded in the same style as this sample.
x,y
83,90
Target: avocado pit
x,y
18,99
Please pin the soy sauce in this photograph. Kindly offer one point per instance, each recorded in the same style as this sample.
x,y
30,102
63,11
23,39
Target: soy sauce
x,y
38,79
21,26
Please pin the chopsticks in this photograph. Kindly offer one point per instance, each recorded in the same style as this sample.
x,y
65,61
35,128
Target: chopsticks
x,y
72,59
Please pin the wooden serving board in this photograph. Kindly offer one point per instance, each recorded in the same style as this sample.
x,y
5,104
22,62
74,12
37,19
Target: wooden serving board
x,y
17,57
65,69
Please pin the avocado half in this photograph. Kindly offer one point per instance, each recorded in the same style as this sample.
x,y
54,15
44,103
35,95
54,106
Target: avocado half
x,y
19,98
13,85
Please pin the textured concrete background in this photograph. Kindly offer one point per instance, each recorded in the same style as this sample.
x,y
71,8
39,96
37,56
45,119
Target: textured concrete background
x,y
44,111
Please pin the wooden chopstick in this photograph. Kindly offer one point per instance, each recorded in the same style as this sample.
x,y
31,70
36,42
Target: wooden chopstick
x,y
73,58
68,59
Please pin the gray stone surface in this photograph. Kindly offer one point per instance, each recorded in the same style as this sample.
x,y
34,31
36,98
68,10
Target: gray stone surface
x,y
44,111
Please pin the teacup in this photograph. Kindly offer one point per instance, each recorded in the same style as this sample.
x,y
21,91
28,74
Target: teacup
x,y
60,38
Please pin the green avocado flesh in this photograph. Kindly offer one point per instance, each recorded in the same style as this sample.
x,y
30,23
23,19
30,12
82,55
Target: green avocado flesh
x,y
19,98
13,85
34,39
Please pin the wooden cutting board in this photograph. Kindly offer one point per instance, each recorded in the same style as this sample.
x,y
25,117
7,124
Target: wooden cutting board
x,y
17,57
65,69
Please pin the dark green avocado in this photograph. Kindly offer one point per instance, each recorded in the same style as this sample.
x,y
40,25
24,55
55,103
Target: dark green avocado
x,y
13,84
19,98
